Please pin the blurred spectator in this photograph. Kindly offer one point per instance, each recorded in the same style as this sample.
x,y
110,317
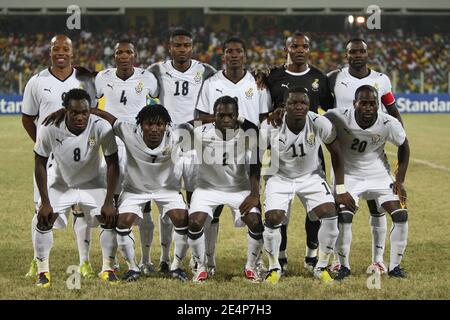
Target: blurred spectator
x,y
403,56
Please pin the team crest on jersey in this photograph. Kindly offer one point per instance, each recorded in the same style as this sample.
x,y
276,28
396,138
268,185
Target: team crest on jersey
x,y
166,151
249,93
91,141
376,139
315,85
139,87
311,139
376,86
198,77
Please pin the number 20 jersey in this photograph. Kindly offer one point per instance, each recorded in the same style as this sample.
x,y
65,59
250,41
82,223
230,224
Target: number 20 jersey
x,y
363,149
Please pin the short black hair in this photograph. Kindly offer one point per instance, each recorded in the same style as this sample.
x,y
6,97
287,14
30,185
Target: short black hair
x,y
366,87
226,100
124,40
295,90
153,113
300,34
75,94
233,39
180,32
355,40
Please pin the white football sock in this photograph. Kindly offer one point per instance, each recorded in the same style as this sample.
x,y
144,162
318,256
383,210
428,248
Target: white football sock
x,y
126,246
343,243
165,236
198,251
108,243
254,247
328,233
211,234
83,235
146,228
181,247
378,226
399,239
272,239
43,242
34,222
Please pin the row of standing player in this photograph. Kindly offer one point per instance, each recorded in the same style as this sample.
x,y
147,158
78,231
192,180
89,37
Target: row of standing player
x,y
181,88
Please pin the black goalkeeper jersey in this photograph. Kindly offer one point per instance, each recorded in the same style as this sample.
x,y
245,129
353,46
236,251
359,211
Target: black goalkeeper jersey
x,y
315,81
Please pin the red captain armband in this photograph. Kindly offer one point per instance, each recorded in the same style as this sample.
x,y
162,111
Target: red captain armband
x,y
388,99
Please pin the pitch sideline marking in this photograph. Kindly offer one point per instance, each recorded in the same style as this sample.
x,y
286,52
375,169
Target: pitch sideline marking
x,y
424,162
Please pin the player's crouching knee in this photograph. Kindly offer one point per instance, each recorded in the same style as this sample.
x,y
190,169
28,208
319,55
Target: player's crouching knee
x,y
181,230
41,228
399,215
273,219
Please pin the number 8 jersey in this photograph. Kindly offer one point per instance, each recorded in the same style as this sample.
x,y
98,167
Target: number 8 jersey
x,y
78,157
363,149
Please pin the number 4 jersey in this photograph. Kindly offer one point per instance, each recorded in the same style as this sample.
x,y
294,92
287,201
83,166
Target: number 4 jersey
x,y
78,157
125,98
363,149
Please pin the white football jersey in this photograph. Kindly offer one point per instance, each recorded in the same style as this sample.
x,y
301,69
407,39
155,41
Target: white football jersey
x,y
178,91
345,86
148,170
363,149
43,94
298,154
125,98
78,158
251,101
222,165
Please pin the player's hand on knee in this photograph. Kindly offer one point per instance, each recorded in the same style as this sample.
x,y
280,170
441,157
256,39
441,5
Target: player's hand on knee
x,y
109,214
56,117
45,215
276,117
250,202
400,190
346,200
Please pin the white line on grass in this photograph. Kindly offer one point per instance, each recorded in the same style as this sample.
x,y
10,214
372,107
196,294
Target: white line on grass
x,y
424,162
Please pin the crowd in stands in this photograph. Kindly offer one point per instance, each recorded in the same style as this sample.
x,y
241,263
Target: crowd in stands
x,y
403,56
